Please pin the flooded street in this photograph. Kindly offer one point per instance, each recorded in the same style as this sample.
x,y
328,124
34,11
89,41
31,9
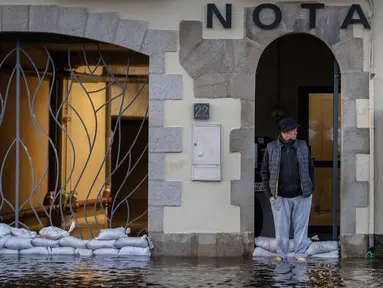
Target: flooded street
x,y
180,272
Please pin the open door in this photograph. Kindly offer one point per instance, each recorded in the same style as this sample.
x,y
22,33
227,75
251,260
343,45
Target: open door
x,y
320,119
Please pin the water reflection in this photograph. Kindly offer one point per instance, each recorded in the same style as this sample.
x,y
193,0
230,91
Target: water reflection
x,y
180,272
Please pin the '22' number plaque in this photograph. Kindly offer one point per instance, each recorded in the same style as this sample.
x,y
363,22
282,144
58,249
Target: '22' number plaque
x,y
201,111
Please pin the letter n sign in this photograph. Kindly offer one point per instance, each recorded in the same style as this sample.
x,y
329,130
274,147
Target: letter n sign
x,y
212,9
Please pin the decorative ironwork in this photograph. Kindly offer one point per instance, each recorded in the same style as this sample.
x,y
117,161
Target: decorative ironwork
x,y
56,188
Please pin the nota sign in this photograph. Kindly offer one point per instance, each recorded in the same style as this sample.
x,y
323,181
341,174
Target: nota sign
x,y
312,7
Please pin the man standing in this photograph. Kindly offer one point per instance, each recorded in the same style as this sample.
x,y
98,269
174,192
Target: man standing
x,y
289,180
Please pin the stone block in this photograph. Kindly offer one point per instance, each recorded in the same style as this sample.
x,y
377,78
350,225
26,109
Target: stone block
x,y
348,160
329,21
157,64
257,34
167,140
72,21
242,86
356,140
241,140
242,191
210,56
15,18
247,54
130,33
247,216
355,85
378,246
43,18
159,41
156,113
349,114
248,243
207,245
349,55
362,167
156,218
354,194
247,114
353,246
102,26
165,87
190,35
212,85
230,245
156,166
164,193
363,114
175,244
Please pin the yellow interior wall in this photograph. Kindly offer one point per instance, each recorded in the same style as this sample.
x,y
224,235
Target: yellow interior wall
x,y
29,136
139,105
76,131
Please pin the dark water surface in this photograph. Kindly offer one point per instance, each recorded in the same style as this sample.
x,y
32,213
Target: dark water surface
x,y
181,272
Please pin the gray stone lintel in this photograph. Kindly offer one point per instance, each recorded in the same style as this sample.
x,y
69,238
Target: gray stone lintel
x,y
102,26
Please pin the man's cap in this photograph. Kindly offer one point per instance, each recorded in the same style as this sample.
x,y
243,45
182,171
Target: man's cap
x,y
288,124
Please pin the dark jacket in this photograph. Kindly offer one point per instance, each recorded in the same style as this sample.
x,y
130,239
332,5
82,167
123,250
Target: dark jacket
x,y
299,171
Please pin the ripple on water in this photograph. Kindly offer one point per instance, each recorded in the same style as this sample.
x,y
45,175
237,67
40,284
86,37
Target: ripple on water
x,y
181,272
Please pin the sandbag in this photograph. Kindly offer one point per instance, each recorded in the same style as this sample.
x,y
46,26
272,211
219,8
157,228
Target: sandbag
x,y
329,255
73,242
22,232
106,252
62,251
99,244
322,247
42,242
132,242
4,240
6,251
35,251
134,251
260,252
270,244
4,229
113,233
55,233
84,252
19,243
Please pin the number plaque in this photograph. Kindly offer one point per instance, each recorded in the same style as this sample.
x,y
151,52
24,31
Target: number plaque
x,y
201,111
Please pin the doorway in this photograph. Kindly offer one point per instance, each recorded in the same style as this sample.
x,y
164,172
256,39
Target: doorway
x,y
297,76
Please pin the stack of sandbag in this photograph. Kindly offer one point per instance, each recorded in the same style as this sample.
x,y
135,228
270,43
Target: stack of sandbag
x,y
267,247
116,242
56,241
15,240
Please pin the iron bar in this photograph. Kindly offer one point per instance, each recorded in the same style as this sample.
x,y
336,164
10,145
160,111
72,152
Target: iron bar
x,y
335,153
17,164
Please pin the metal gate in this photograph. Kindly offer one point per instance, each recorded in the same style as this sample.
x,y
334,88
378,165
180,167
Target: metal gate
x,y
70,130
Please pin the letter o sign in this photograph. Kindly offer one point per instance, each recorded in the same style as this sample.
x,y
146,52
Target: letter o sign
x,y
277,20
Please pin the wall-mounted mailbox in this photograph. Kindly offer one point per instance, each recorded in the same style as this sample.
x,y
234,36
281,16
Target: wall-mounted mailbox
x,y
206,164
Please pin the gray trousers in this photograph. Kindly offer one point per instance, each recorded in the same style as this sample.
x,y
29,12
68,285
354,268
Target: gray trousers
x,y
298,209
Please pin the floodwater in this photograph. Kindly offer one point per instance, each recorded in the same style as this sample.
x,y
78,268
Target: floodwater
x,y
181,272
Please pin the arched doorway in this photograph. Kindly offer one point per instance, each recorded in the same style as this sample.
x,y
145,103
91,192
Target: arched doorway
x,y
298,76
74,129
